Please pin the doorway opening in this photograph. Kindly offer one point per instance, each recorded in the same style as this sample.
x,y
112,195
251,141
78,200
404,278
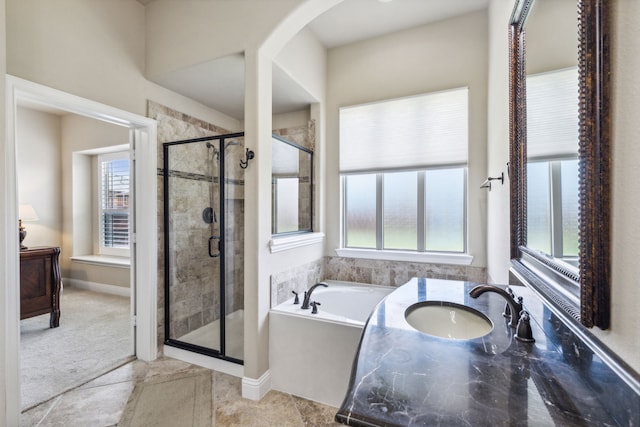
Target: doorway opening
x,y
75,173
142,132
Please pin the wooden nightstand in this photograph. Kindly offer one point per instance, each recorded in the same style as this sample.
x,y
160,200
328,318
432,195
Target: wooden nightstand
x,y
40,283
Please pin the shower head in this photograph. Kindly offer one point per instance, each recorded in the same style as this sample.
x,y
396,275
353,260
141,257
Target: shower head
x,y
215,150
228,144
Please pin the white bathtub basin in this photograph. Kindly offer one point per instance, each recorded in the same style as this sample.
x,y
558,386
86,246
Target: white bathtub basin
x,y
310,355
448,320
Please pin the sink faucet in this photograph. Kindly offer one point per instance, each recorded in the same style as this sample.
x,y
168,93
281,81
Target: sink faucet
x,y
514,307
307,294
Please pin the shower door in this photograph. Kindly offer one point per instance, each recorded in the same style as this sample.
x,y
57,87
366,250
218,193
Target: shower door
x,y
203,245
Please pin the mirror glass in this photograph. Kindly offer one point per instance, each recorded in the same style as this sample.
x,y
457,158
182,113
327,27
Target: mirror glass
x,y
291,187
552,131
559,162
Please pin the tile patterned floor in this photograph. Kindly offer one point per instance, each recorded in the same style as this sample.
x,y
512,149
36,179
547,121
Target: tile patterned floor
x,y
172,393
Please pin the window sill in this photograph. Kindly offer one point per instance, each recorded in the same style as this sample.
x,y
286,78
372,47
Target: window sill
x,y
279,244
109,261
426,257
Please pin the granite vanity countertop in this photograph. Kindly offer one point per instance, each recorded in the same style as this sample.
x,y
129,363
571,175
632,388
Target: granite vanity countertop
x,y
402,377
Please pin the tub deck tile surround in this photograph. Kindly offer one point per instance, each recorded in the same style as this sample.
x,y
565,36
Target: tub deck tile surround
x,y
396,273
375,272
403,377
296,279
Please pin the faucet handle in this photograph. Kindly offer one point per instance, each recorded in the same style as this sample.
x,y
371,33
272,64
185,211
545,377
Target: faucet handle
x,y
507,307
520,307
315,305
296,300
523,331
507,311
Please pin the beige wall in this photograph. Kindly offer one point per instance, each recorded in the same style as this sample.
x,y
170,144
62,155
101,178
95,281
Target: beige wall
x,y
82,274
6,410
73,44
93,49
621,337
40,175
304,58
288,120
498,217
447,54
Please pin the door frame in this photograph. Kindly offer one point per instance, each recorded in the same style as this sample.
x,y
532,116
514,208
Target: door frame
x,y
144,257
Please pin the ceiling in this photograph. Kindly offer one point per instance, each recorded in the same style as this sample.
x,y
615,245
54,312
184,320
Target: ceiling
x,y
219,83
356,20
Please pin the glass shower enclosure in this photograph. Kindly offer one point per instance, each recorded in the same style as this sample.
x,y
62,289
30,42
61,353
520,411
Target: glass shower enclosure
x,y
203,245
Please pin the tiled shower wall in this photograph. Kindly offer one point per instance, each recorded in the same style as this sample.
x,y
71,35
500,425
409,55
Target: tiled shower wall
x,y
375,272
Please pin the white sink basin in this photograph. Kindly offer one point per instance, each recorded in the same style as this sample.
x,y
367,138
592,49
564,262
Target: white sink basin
x,y
448,320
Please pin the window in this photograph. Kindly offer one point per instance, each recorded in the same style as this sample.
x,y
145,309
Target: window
x,y
411,211
285,206
403,166
552,208
114,182
552,165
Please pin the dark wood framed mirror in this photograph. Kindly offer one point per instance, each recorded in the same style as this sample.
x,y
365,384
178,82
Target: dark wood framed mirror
x,y
581,290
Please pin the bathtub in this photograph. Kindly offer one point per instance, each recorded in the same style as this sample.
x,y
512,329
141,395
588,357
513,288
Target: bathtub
x,y
310,355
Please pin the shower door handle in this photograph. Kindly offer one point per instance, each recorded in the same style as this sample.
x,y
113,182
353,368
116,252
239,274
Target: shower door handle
x,y
211,254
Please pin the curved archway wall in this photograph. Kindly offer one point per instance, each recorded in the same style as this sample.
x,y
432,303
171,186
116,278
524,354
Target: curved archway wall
x,y
259,262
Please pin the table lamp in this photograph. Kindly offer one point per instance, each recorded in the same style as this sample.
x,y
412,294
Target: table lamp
x,y
25,213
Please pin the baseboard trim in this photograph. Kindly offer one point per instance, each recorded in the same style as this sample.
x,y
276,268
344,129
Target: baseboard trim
x,y
256,389
98,287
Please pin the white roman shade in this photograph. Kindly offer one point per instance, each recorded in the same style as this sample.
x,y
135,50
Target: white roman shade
x,y
413,132
552,114
284,158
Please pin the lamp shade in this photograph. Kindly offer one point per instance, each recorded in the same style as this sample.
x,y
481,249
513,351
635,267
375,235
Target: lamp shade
x,y
27,213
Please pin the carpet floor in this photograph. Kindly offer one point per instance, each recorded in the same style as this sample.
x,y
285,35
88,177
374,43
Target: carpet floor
x,y
93,338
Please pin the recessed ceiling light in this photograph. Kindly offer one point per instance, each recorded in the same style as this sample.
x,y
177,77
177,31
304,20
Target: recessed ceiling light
x,y
384,1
